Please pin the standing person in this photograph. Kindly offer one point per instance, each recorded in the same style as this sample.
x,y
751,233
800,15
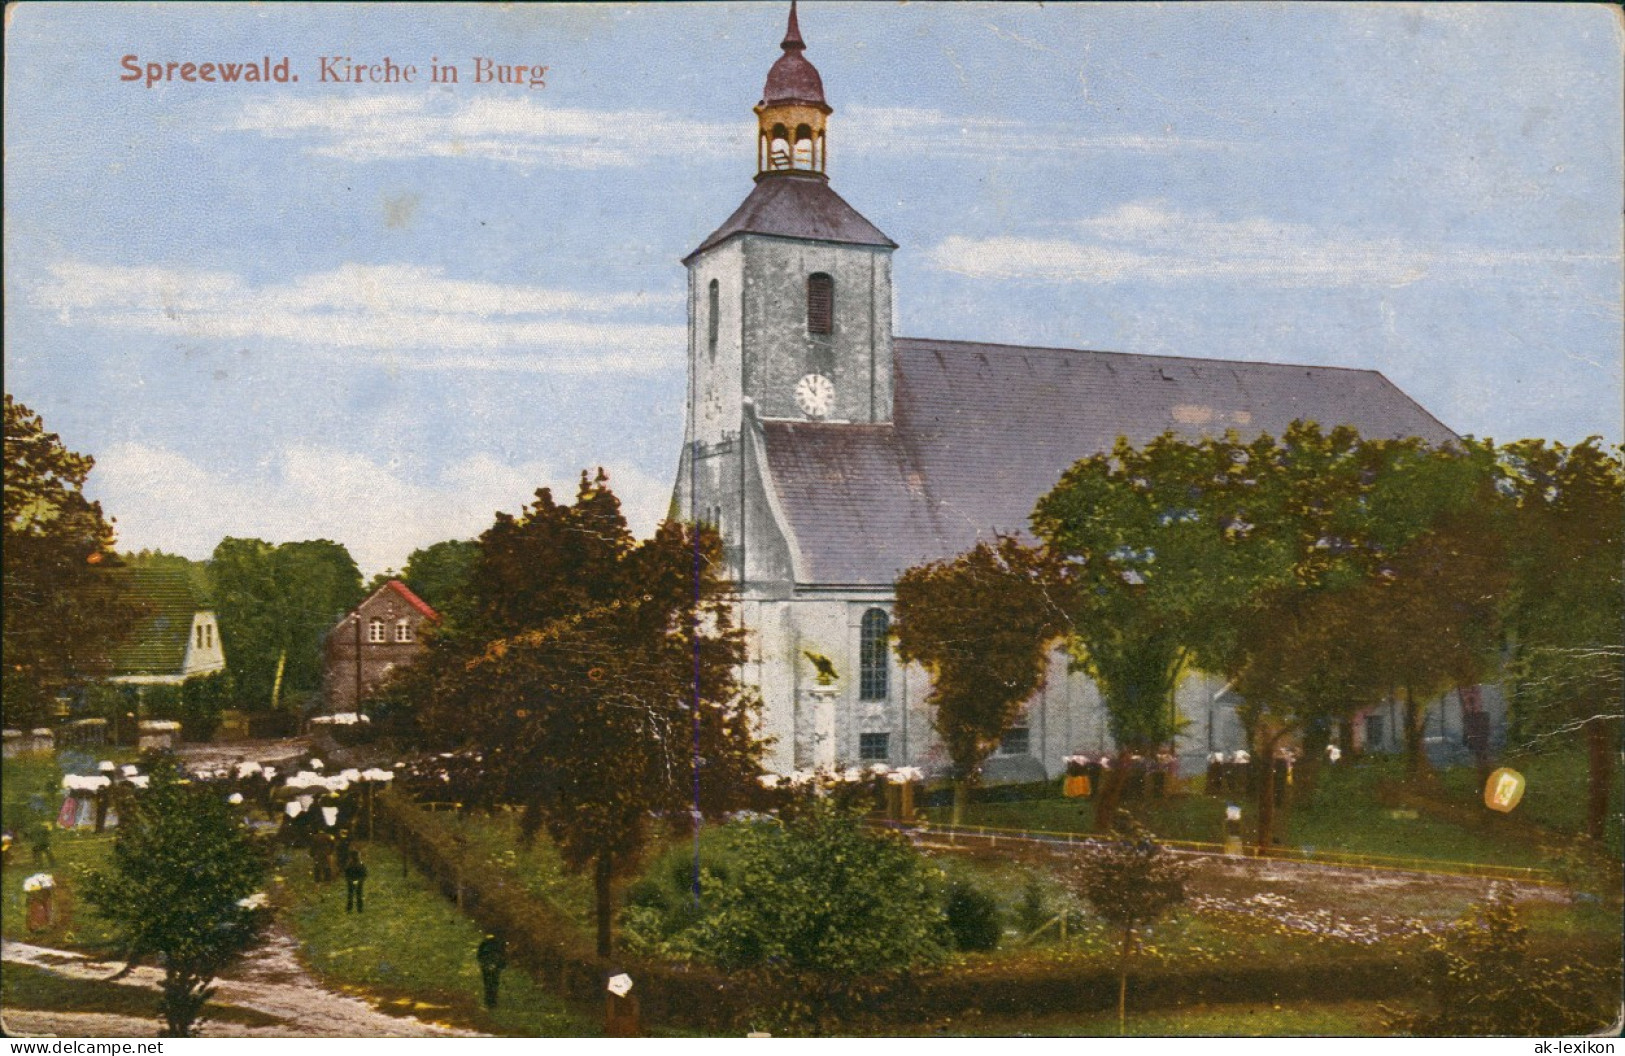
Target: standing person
x,y
492,955
355,879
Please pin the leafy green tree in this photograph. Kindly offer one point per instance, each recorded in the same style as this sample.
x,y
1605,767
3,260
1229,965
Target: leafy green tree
x,y
1568,604
1131,882
982,624
319,582
63,613
275,605
1480,979
184,873
1160,554
604,700
442,575
824,908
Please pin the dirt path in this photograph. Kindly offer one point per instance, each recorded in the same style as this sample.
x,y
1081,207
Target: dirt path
x,y
270,981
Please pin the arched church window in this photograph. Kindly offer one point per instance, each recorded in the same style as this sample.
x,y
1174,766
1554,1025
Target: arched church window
x,y
874,656
820,303
804,147
713,311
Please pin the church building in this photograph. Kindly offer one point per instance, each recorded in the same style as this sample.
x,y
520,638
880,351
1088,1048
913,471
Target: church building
x,y
833,454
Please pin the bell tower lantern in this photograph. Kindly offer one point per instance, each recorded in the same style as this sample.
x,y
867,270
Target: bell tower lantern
x,y
791,117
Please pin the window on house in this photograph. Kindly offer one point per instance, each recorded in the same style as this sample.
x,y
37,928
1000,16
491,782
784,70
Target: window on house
x,y
873,656
208,636
197,636
874,747
375,630
820,303
1016,741
403,631
715,310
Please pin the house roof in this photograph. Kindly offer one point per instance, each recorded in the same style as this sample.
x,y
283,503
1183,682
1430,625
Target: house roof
x,y
412,599
396,587
796,205
157,645
981,432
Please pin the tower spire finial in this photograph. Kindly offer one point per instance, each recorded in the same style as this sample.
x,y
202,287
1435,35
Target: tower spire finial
x,y
792,33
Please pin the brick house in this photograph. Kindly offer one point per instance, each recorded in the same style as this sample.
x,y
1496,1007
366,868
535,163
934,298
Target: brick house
x,y
384,630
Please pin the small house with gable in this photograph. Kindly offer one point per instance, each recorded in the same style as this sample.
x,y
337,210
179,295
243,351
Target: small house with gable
x,y
370,641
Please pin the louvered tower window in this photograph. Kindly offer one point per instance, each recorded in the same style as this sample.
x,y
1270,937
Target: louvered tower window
x,y
873,667
820,303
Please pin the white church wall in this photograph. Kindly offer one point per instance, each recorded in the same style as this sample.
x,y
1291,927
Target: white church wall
x,y
857,357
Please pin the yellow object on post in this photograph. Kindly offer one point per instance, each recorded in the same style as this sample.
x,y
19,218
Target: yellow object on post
x,y
1503,790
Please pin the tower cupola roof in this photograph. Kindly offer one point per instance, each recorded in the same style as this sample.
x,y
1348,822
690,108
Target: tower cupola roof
x,y
793,79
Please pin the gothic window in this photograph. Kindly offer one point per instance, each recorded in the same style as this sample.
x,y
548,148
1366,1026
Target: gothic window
x,y
873,656
375,630
820,303
874,747
1016,741
712,318
403,631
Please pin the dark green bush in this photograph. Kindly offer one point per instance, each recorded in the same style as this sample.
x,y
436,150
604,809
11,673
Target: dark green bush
x,y
973,917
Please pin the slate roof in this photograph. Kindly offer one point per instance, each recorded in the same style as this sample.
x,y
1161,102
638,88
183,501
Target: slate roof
x,y
157,646
982,431
796,205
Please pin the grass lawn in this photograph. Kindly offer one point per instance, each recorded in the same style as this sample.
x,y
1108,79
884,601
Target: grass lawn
x,y
412,951
1555,796
1342,815
1293,1019
25,986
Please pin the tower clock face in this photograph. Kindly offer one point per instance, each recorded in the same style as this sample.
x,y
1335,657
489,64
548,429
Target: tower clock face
x,y
815,395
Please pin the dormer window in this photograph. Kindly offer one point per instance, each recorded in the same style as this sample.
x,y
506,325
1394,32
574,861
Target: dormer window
x,y
820,303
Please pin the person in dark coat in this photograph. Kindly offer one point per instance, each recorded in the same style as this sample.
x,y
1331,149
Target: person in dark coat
x,y
492,956
355,879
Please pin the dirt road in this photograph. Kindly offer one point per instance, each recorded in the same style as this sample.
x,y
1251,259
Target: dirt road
x,y
270,981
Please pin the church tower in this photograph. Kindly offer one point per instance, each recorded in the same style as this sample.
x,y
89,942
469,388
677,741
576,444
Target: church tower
x,y
790,299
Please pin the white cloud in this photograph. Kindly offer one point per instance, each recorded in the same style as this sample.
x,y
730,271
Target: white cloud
x,y
526,132
164,500
907,130
1149,243
516,131
386,308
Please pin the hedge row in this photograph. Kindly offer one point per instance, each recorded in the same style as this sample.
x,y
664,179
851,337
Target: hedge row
x,y
542,940
561,957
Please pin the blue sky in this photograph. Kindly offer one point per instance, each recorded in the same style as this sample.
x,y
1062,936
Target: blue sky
x,y
379,313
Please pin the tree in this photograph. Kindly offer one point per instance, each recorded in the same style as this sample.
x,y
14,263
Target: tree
x,y
1130,882
1568,603
1157,550
599,684
441,574
182,888
63,613
824,907
1479,979
275,605
982,624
